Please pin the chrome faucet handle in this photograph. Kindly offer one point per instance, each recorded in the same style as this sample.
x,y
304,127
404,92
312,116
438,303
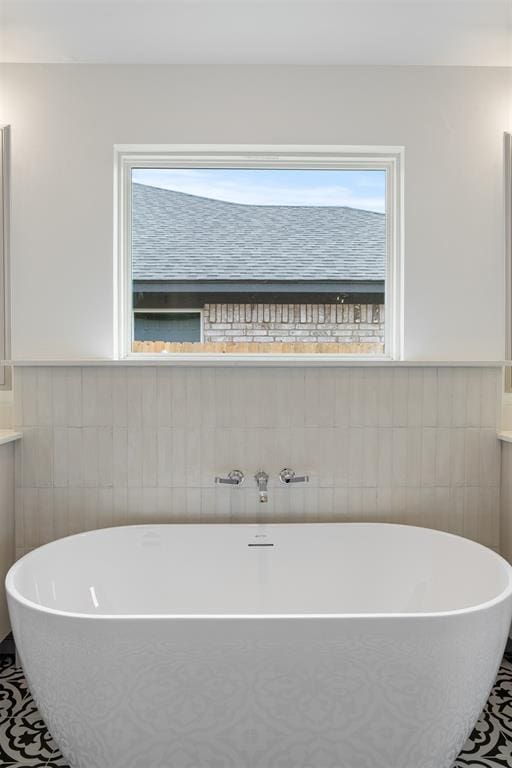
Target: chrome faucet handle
x,y
288,476
235,477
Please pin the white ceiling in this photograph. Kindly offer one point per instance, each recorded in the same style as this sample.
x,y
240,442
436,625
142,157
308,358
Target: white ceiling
x,y
432,32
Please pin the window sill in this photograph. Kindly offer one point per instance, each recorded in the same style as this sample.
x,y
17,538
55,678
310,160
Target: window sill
x,y
9,436
204,360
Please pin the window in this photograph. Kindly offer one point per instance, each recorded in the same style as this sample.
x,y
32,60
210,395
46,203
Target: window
x,y
259,252
4,255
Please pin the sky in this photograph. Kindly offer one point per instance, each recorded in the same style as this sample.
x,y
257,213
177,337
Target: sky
x,y
357,189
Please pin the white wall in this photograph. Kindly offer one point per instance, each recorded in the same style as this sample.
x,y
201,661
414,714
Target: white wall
x,y
65,120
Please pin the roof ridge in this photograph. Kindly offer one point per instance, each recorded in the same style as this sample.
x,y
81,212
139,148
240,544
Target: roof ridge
x,y
256,205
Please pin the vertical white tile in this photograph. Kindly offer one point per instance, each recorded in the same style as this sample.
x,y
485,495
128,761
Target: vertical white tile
x,y
66,390
342,389
385,397
473,396
44,397
413,462
472,512
60,512
472,456
164,457
319,396
105,507
134,505
341,450
89,397
179,508
178,390
193,475
207,409
356,457
149,397
443,457
428,457
489,458
28,387
133,397
385,457
460,394
60,457
194,391
400,462
149,457
120,456
75,457
149,510
370,457
445,396
36,466
193,502
400,396
44,457
488,532
119,396
29,521
120,506
454,521
134,457
105,396
490,411
105,457
385,504
430,416
415,398
356,403
89,509
340,503
90,457
46,530
78,515
457,457
370,383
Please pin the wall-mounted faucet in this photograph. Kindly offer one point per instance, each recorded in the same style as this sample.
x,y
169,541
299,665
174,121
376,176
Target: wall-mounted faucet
x,y
235,477
261,478
287,476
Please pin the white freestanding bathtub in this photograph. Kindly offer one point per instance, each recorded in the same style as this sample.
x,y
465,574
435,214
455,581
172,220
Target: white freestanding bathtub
x,y
246,646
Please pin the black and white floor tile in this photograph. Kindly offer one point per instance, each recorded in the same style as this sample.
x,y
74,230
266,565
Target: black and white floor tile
x,y
26,743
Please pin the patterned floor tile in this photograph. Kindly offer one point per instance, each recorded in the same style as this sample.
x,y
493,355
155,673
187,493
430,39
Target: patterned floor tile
x,y
26,743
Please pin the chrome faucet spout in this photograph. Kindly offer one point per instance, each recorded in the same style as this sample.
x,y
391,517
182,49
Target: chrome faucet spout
x,y
261,478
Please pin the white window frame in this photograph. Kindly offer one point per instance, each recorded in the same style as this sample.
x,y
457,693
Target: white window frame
x,y
389,159
5,210
170,311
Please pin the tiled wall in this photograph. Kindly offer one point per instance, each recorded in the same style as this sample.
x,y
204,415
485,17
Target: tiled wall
x,y
506,501
6,526
106,446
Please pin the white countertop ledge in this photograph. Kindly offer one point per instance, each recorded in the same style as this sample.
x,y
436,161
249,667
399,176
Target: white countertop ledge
x,y
9,435
505,435
319,360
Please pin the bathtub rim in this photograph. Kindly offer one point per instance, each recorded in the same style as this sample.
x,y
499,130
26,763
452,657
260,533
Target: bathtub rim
x,y
13,593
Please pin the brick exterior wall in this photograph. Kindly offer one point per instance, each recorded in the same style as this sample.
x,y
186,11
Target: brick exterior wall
x,y
351,323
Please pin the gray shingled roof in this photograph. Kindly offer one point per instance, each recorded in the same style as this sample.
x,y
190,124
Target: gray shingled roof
x,y
177,236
